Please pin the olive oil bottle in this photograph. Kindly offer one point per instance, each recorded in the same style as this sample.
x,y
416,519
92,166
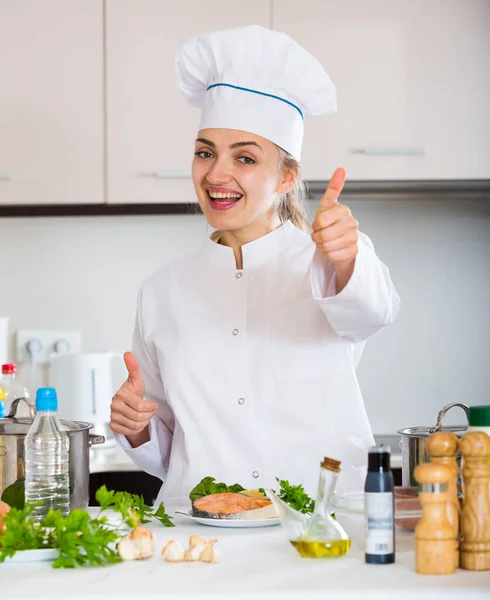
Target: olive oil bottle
x,y
310,549
324,537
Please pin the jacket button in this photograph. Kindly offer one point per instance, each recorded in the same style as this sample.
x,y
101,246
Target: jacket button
x,y
241,400
238,275
235,332
255,474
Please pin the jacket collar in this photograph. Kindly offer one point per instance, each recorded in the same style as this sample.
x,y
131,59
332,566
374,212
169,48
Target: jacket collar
x,y
255,253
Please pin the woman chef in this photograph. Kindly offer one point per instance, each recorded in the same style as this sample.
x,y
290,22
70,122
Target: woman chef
x,y
245,353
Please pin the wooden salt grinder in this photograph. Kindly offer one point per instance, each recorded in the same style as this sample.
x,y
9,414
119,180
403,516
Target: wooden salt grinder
x,y
443,447
434,534
475,517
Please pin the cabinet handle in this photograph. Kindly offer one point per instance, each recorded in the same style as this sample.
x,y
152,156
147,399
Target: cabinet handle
x,y
171,175
390,150
4,176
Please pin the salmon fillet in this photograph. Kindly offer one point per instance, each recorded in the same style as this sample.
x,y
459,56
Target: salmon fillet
x,y
226,505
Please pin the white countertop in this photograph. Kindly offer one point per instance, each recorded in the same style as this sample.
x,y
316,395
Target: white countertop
x,y
257,563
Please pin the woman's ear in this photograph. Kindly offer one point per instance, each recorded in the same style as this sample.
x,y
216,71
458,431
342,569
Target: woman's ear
x,y
288,181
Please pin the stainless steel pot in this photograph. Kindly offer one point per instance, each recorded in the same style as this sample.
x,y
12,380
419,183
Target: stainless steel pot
x,y
13,431
414,440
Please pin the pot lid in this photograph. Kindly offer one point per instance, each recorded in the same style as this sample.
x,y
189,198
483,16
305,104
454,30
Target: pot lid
x,y
12,425
425,431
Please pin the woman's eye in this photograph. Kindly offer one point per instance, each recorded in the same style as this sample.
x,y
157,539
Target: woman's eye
x,y
203,154
247,160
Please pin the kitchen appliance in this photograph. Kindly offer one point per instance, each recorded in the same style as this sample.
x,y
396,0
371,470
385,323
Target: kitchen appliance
x,y
85,384
414,439
13,431
4,330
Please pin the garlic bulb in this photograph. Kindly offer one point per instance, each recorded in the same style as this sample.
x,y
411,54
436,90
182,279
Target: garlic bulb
x,y
144,539
127,550
138,544
173,552
210,554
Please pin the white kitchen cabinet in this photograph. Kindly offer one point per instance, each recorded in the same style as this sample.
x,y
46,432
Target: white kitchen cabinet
x,y
411,77
51,102
150,127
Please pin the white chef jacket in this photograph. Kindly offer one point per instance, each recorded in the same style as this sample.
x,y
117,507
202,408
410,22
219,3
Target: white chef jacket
x,y
254,370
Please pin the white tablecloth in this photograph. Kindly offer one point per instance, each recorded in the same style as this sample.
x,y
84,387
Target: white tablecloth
x,y
258,563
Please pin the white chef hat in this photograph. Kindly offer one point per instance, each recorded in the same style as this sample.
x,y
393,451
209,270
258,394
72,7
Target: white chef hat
x,y
254,79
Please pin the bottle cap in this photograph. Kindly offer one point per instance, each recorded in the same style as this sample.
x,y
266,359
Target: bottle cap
x,y
379,458
331,464
46,399
479,416
2,409
9,369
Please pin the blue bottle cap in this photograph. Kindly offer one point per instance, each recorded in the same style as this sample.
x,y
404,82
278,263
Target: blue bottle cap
x,y
46,399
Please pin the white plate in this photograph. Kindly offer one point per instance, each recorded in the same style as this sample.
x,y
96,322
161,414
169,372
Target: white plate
x,y
232,523
34,555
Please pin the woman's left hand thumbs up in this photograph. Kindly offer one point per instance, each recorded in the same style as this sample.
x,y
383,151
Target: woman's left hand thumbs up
x,y
335,231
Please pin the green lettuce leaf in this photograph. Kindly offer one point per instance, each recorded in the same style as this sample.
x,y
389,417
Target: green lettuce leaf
x,y
209,485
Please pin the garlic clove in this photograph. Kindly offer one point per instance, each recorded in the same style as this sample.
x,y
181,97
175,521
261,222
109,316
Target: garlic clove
x,y
196,540
210,554
173,552
127,550
165,544
194,552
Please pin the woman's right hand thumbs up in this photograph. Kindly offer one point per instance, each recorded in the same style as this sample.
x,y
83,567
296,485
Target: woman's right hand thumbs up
x,y
130,413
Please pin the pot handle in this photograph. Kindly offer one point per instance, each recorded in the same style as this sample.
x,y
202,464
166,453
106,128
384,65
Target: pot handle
x,y
94,440
442,414
15,404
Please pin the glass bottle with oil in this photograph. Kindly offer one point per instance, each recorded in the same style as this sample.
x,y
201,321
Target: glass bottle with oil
x,y
323,536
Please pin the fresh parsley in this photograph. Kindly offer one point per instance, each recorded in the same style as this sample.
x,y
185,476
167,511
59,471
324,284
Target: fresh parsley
x,y
295,496
80,539
209,485
161,515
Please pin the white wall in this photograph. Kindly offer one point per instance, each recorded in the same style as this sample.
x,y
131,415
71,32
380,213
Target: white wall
x,y
83,273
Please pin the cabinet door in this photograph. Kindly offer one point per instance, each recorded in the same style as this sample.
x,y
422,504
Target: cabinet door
x,y
151,128
413,83
51,102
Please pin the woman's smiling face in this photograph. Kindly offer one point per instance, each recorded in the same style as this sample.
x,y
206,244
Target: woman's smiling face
x,y
237,178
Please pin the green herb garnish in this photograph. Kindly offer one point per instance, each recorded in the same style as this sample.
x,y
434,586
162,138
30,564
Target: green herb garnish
x,y
209,485
162,516
295,496
80,539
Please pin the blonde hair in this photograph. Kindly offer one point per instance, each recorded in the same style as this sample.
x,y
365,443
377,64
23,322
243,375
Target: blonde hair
x,y
291,205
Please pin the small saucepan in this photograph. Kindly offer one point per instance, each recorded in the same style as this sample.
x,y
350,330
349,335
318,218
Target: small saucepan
x,y
414,439
13,431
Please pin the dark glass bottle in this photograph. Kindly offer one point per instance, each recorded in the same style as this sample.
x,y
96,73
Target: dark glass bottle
x,y
379,508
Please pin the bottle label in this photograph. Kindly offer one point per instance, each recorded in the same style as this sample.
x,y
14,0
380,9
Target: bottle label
x,y
378,518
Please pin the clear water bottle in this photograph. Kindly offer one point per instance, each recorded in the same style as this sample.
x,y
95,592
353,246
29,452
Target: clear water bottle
x,y
46,452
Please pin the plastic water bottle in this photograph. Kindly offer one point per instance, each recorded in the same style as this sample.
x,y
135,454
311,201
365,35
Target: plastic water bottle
x,y
46,452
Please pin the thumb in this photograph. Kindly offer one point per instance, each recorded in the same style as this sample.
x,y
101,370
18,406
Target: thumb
x,y
334,188
135,377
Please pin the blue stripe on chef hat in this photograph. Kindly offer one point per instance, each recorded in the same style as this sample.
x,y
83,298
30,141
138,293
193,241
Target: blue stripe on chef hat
x,y
236,87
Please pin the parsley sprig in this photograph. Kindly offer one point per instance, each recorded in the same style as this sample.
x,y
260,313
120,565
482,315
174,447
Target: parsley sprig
x,y
80,539
294,495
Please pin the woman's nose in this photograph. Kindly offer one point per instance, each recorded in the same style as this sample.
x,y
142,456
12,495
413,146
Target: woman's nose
x,y
219,172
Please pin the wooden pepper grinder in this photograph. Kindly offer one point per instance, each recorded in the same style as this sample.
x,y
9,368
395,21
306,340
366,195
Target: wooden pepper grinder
x,y
434,534
443,448
475,517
